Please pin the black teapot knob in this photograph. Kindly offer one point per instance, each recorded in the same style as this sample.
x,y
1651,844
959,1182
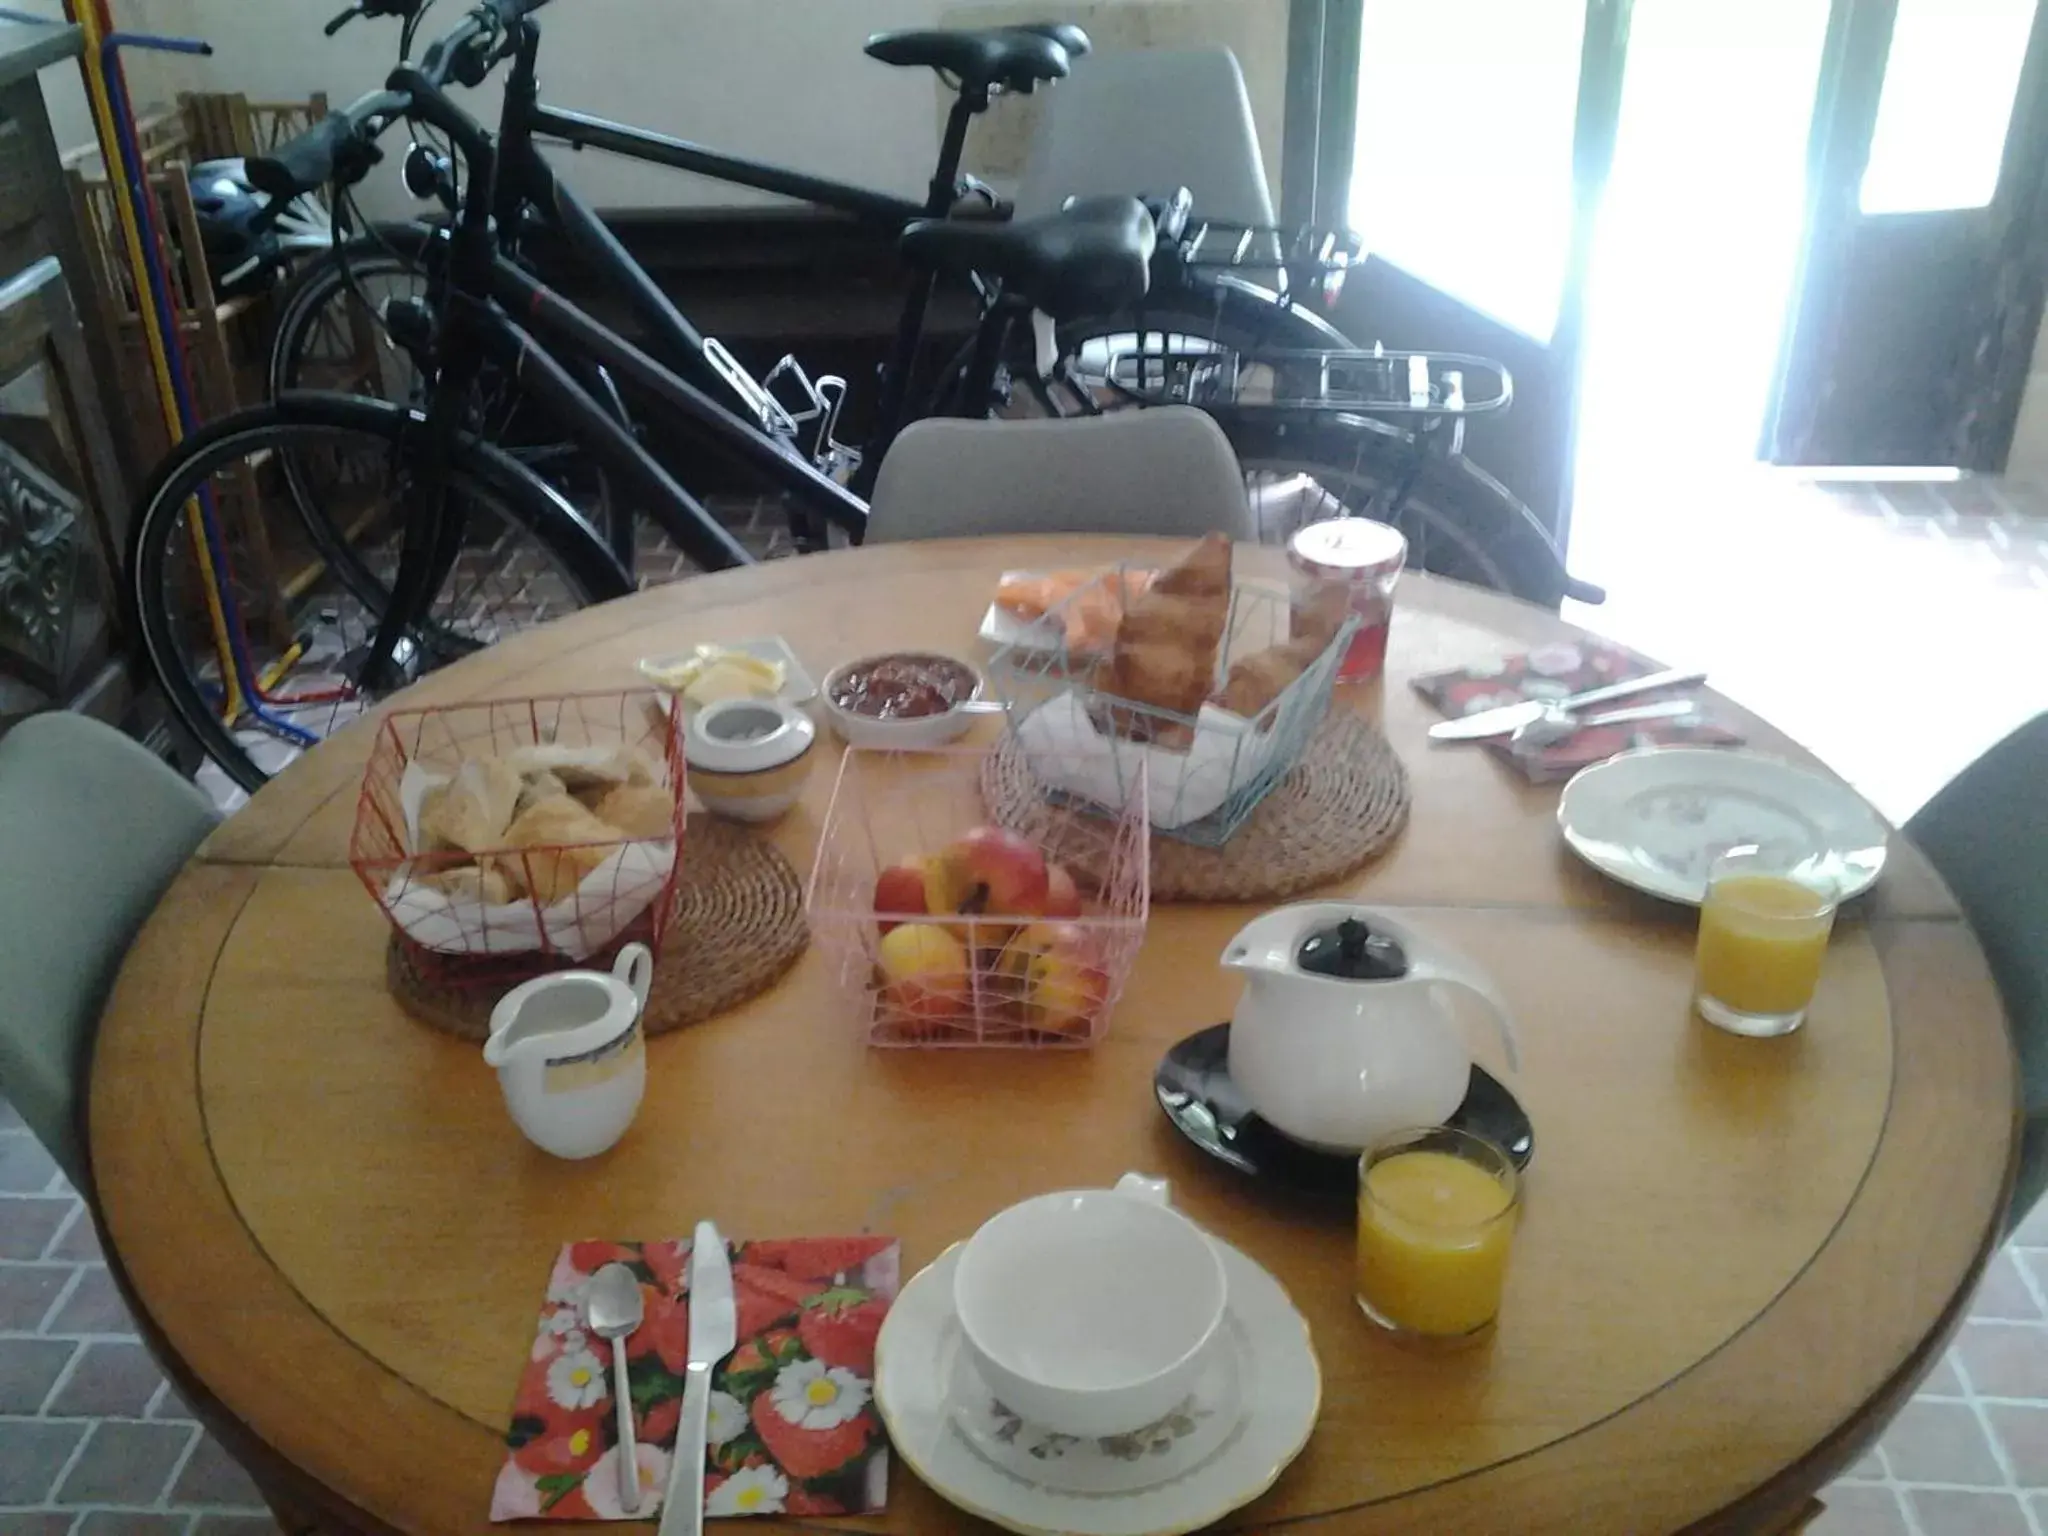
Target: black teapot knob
x,y
1352,951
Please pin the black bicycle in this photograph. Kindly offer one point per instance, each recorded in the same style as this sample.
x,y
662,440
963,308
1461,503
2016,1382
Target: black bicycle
x,y
1301,401
447,541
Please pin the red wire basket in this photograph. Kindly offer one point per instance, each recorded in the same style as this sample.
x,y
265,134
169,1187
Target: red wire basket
x,y
956,980
629,894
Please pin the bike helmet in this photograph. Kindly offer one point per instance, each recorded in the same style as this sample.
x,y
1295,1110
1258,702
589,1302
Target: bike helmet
x,y
247,236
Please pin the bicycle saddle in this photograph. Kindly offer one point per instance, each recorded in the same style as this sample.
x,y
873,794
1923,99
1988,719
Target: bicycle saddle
x,y
1092,257
1011,57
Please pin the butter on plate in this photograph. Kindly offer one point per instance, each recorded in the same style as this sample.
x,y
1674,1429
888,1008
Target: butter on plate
x,y
712,674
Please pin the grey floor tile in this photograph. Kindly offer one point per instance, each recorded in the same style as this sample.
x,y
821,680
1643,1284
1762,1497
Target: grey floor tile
x,y
1943,1381
1952,1512
212,1477
1941,1443
81,1241
2003,1294
94,1307
2005,1359
32,1453
25,1168
1869,1467
30,1522
170,1406
235,1525
124,1463
132,1522
2023,1433
28,1222
26,1292
2033,1231
111,1380
1860,1511
28,1369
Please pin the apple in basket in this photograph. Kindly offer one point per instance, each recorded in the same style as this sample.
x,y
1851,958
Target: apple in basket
x,y
991,872
1057,977
923,974
900,889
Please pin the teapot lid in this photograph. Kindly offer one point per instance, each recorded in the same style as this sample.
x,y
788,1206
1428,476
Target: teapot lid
x,y
1351,951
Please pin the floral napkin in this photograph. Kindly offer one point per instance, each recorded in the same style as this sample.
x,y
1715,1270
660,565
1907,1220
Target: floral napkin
x,y
1558,672
793,1428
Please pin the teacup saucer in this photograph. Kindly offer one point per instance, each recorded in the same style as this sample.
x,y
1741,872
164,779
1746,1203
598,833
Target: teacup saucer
x,y
1130,1463
1194,1087
1265,1386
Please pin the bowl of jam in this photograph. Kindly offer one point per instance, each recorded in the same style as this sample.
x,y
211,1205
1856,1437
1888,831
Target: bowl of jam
x,y
904,700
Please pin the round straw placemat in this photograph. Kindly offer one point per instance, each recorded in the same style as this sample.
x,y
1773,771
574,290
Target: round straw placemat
x,y
739,925
1345,800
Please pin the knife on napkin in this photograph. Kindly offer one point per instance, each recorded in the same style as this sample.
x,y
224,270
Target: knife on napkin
x,y
1504,720
714,1330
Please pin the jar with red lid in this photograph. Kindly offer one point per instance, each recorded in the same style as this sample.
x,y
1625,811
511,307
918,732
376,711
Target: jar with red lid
x,y
1357,562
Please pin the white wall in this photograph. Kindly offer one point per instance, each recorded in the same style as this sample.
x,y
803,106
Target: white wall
x,y
152,77
777,80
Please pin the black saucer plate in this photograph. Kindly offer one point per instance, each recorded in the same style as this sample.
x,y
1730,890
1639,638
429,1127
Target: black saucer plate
x,y
1195,1089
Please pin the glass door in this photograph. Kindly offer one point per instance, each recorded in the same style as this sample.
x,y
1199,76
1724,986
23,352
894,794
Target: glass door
x,y
1927,248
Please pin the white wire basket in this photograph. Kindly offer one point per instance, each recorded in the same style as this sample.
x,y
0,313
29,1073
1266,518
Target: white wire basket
x,y
1203,774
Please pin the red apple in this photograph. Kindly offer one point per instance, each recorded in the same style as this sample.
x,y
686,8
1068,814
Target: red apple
x,y
1058,977
899,891
1062,896
990,872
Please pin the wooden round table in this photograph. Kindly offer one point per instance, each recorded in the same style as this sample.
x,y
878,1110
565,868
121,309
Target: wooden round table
x,y
1737,1256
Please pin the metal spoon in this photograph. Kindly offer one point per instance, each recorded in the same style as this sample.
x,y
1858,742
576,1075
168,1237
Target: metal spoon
x,y
614,1309
1556,723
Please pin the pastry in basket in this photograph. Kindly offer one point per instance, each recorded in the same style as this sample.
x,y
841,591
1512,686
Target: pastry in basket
x,y
638,810
1095,602
584,769
473,885
1166,644
549,849
472,810
1255,681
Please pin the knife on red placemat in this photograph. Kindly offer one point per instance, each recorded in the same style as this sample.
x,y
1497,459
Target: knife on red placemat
x,y
714,1329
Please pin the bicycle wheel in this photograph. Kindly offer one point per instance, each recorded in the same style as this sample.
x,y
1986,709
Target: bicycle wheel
x,y
286,619
331,336
1459,521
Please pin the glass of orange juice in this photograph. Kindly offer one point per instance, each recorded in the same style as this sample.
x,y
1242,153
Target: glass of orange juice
x,y
1763,933
1436,1217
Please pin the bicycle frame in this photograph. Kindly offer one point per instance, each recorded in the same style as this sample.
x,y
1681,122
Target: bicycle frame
x,y
525,179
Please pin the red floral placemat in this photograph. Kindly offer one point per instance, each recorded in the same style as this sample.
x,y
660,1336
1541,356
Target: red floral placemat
x,y
793,1426
1558,672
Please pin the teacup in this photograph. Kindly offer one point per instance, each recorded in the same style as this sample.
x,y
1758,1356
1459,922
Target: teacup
x,y
1090,1311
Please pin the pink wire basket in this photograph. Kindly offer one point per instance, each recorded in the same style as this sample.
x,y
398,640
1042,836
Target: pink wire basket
x,y
624,889
1005,981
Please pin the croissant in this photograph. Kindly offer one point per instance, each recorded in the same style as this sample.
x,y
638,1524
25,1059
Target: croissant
x,y
552,846
1166,643
1255,681
638,810
472,810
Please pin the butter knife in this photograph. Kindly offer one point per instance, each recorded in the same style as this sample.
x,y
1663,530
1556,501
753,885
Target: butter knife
x,y
1509,717
714,1329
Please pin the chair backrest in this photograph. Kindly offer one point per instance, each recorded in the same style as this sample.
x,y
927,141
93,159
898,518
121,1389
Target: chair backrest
x,y
1167,471
1144,122
92,828
1987,833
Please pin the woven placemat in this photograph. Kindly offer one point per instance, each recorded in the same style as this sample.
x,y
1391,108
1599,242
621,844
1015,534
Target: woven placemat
x,y
739,925
1345,800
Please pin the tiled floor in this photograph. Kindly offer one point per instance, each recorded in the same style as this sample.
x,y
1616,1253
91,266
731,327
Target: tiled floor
x,y
1935,603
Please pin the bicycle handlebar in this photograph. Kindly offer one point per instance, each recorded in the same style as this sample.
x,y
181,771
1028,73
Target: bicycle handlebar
x,y
342,146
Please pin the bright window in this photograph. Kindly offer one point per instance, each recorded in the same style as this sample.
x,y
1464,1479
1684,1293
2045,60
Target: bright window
x,y
1947,102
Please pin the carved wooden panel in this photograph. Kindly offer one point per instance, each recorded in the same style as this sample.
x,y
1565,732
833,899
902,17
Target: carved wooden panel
x,y
40,565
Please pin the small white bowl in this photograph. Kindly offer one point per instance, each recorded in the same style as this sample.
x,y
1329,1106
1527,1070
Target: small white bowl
x,y
911,733
1090,1311
748,758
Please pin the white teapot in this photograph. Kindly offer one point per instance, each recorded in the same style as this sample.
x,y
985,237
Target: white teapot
x,y
1348,1030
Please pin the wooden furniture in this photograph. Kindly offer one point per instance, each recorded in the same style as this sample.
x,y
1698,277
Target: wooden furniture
x,y
63,493
1738,1256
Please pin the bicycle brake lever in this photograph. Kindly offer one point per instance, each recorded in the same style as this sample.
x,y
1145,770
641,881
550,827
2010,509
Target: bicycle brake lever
x,y
343,20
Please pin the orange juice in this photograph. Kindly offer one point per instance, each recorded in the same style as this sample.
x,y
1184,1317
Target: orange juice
x,y
1762,939
1434,1229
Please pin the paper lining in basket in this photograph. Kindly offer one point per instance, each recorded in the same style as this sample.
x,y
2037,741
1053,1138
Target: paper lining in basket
x,y
603,906
1068,752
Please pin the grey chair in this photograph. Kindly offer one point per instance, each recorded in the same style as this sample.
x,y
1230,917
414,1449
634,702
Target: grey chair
x,y
1166,471
1987,833
92,828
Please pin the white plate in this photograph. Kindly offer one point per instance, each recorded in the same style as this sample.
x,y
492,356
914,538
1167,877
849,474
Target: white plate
x,y
1263,1398
1002,628
1656,819
798,687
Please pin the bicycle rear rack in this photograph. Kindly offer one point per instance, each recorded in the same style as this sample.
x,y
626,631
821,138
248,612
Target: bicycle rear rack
x,y
1359,383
